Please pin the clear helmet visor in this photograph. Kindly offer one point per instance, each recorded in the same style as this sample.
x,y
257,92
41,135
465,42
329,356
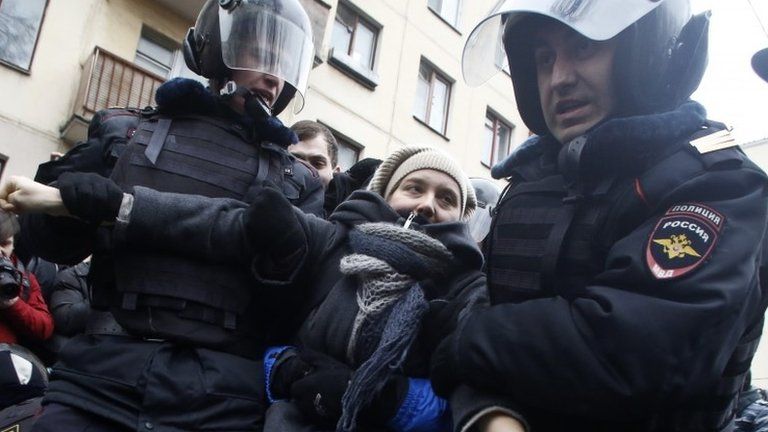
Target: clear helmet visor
x,y
480,223
487,193
255,38
598,20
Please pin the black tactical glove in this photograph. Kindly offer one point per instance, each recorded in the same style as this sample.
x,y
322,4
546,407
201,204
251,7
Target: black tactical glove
x,y
318,394
288,369
90,197
272,226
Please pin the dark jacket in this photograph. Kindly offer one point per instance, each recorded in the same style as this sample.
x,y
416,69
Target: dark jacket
x,y
169,385
649,313
69,303
320,293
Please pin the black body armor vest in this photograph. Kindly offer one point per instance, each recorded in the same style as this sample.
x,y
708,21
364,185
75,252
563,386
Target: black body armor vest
x,y
176,297
551,237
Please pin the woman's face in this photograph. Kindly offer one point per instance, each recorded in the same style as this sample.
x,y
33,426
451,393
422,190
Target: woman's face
x,y
433,194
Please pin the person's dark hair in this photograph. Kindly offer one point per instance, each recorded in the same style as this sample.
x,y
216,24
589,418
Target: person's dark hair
x,y
308,129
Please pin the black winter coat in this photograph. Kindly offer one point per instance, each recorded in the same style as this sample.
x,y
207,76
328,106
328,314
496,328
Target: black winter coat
x,y
316,293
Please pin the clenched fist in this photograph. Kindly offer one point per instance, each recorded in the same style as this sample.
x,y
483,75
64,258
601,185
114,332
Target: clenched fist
x,y
24,195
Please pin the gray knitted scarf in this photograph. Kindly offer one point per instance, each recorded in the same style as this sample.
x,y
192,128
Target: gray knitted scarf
x,y
388,260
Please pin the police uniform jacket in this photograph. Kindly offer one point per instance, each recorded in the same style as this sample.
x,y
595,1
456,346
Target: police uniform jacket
x,y
624,280
185,356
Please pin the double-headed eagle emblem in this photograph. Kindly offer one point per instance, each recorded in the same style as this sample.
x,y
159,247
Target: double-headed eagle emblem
x,y
678,246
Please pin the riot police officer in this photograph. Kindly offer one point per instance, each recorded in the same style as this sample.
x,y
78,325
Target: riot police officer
x,y
624,257
178,349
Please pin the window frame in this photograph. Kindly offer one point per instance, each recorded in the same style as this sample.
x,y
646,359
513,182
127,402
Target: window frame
x,y
163,41
343,139
18,68
439,14
343,60
497,120
448,81
368,22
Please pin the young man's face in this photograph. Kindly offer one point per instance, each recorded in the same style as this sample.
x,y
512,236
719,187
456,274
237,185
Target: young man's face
x,y
267,86
315,152
432,194
575,80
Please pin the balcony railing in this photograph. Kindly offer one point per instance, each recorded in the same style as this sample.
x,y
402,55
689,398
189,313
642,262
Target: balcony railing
x,y
113,81
108,81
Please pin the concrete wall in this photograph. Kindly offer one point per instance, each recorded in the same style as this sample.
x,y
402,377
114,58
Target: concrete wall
x,y
35,106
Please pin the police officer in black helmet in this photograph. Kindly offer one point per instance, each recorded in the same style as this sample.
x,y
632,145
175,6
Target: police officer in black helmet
x,y
177,341
624,259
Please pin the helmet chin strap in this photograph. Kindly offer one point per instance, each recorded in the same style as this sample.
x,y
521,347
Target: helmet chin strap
x,y
255,106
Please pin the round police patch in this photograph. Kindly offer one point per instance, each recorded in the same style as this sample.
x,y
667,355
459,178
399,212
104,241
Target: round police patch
x,y
682,240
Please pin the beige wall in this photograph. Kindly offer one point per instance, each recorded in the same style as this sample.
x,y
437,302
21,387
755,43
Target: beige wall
x,y
382,119
34,107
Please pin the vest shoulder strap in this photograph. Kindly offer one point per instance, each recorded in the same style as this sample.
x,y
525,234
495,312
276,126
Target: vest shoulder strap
x,y
709,148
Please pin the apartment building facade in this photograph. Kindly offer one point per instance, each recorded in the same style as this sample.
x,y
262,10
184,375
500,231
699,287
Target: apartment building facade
x,y
387,73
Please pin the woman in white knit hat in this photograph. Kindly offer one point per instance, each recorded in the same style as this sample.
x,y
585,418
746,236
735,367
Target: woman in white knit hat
x,y
349,293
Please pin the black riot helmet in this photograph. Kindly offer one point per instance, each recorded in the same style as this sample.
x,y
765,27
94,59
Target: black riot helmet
x,y
268,36
760,63
659,62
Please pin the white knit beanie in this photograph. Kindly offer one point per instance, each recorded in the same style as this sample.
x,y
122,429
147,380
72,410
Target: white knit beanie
x,y
408,159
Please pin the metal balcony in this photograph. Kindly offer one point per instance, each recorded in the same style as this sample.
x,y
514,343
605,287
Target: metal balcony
x,y
108,81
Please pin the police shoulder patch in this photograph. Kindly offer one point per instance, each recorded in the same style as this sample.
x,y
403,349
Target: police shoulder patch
x,y
682,240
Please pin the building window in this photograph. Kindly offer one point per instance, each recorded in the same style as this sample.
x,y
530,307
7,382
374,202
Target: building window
x,y
447,9
349,153
433,92
162,56
20,22
498,134
355,36
156,53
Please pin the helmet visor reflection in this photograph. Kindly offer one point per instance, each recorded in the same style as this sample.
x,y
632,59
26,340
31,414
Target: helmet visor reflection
x,y
484,52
